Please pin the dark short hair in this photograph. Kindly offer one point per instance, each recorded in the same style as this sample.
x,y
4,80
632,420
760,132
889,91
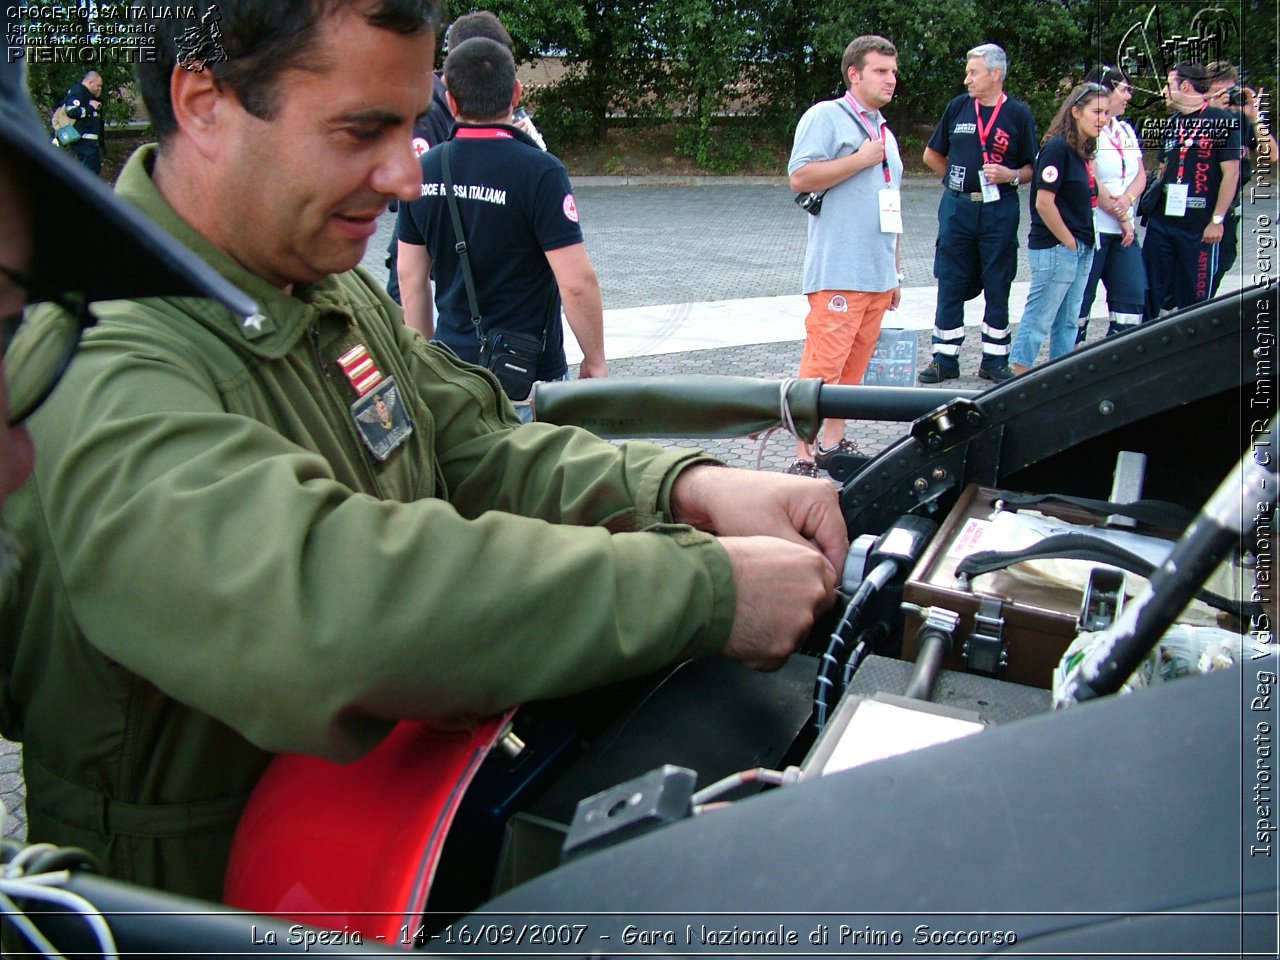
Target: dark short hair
x,y
481,76
855,54
1106,75
478,23
1194,74
255,41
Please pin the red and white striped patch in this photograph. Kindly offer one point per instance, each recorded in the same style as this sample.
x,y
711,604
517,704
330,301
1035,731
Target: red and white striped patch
x,y
360,369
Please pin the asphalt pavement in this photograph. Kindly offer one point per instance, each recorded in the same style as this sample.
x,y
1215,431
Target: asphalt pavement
x,y
701,276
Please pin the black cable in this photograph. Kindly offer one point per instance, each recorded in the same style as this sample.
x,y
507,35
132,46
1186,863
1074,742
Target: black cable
x,y
824,684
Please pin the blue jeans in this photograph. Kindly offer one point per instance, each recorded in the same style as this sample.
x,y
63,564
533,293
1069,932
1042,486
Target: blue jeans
x,y
1058,276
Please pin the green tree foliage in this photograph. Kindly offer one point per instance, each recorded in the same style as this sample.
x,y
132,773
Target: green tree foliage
x,y
1146,39
608,47
707,72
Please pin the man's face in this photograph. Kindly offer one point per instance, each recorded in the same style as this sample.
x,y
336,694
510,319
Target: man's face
x,y
1181,95
16,452
93,83
978,80
874,84
298,195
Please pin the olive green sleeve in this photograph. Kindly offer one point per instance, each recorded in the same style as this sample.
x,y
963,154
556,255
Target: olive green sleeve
x,y
227,566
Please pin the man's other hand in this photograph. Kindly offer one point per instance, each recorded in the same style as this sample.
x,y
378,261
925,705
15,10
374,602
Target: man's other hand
x,y
782,588
731,502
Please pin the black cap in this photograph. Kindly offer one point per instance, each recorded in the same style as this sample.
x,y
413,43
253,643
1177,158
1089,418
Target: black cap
x,y
87,240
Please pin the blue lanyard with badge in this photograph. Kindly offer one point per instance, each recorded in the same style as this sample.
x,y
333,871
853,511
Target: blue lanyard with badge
x,y
890,198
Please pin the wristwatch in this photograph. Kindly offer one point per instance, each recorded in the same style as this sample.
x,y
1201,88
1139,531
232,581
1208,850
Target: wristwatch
x,y
1218,220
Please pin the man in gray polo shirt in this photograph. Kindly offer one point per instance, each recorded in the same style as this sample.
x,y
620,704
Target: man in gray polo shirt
x,y
845,160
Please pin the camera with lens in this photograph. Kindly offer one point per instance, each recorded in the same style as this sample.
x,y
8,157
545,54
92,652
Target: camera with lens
x,y
810,202
1236,96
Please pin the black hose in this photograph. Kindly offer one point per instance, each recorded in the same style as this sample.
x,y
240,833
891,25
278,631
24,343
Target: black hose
x,y
935,644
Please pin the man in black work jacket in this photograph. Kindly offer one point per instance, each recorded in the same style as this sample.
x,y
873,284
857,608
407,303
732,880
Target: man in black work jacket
x,y
84,105
982,148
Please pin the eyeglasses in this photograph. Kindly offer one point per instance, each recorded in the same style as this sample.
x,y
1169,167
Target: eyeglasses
x,y
36,355
1088,90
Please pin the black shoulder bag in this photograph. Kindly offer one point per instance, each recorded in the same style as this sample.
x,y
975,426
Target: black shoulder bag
x,y
511,357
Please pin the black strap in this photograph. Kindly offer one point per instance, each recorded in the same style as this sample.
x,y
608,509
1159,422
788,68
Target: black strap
x,y
461,245
862,127
1161,514
464,258
1082,546
853,115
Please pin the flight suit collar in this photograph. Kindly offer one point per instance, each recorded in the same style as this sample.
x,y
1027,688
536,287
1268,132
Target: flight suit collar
x,y
282,318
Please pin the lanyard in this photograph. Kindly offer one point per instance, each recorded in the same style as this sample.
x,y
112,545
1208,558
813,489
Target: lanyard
x,y
870,134
1185,145
1117,144
1093,184
481,133
983,134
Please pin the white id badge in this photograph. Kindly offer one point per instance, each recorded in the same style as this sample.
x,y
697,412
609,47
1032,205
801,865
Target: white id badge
x,y
1175,200
890,210
990,191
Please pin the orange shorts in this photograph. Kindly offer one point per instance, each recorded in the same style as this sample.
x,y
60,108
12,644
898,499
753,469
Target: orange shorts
x,y
841,332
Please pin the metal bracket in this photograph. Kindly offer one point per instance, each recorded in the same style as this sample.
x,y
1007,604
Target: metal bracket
x,y
985,651
951,424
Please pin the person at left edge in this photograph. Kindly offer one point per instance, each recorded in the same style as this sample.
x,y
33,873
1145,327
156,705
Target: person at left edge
x,y
83,103
845,150
1061,241
118,253
229,551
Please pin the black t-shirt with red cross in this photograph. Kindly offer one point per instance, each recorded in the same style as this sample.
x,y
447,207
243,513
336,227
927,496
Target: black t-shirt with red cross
x,y
1193,148
1065,173
516,204
1007,129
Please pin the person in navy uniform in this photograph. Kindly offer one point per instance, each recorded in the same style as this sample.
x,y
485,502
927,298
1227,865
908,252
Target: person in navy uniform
x,y
83,103
1200,147
523,237
983,147
436,125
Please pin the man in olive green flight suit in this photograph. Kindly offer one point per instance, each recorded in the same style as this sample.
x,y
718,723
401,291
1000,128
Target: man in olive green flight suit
x,y
289,531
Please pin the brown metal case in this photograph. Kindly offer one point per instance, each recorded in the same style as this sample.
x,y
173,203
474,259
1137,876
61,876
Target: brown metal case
x,y
1040,619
